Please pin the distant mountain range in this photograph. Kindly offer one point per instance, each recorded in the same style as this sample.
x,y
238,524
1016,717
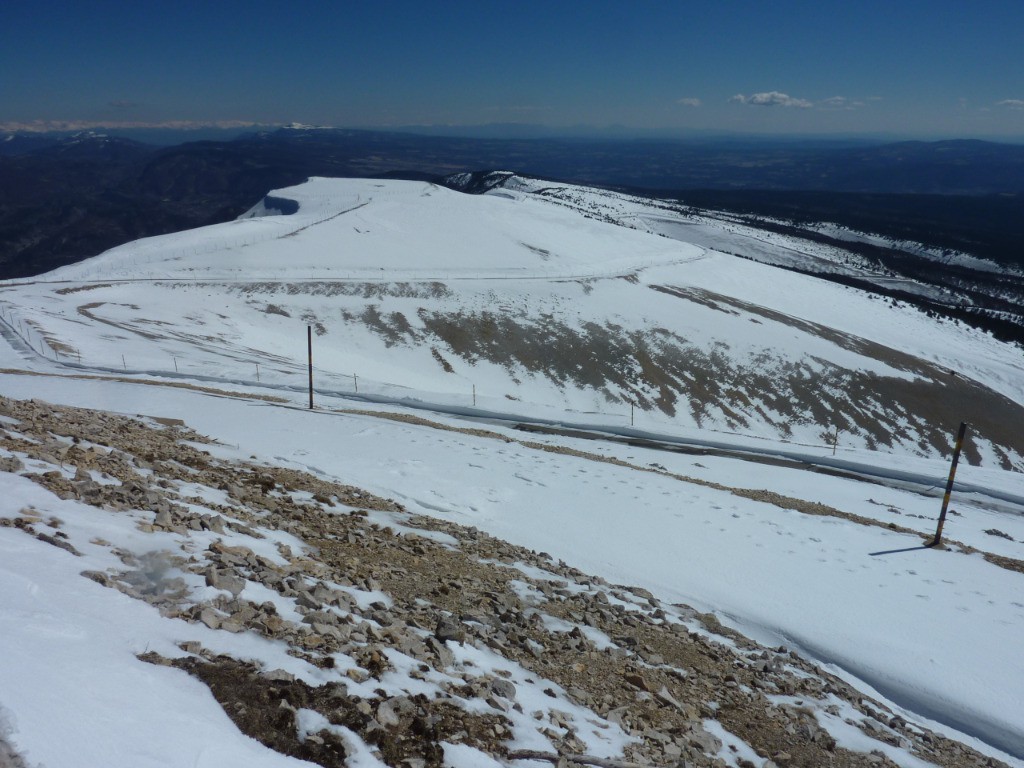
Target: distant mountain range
x,y
65,198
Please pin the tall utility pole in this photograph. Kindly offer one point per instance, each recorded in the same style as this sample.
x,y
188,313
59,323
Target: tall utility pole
x,y
949,483
309,345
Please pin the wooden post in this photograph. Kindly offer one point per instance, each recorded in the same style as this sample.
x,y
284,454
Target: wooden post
x,y
949,483
175,363
257,373
631,414
835,442
309,344
123,363
355,383
474,395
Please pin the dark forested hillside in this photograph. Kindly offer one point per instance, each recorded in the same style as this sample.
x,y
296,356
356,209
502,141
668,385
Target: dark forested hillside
x,y
988,226
64,199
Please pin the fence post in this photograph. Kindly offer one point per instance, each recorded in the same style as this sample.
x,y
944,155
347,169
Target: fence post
x,y
949,483
257,373
309,345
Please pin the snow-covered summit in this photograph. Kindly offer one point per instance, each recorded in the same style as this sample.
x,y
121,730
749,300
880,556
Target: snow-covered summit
x,y
365,228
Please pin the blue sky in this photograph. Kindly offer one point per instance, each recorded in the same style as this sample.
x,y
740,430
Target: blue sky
x,y
928,68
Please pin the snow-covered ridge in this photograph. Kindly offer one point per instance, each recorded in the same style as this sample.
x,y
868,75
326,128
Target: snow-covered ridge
x,y
544,300
937,255
356,228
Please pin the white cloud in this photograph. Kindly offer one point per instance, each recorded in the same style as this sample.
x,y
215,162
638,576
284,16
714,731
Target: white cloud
x,y
840,102
517,108
1011,103
771,99
689,102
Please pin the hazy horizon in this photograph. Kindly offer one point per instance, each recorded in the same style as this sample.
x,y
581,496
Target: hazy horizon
x,y
175,133
924,69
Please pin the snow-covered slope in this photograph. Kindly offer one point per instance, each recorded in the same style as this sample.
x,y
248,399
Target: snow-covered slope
x,y
358,228
513,305
545,305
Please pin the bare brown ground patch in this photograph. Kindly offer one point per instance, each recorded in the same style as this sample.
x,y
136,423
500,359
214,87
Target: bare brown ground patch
x,y
432,289
51,340
933,402
85,310
80,288
127,380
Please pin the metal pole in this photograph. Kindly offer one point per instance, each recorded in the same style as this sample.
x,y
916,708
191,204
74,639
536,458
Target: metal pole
x,y
309,344
355,383
257,372
474,395
631,414
835,442
949,483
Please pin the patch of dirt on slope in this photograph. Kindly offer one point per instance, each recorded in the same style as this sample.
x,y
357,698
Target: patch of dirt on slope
x,y
9,758
145,382
379,290
266,708
926,408
80,288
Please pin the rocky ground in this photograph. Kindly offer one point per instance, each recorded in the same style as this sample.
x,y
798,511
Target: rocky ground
x,y
435,634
